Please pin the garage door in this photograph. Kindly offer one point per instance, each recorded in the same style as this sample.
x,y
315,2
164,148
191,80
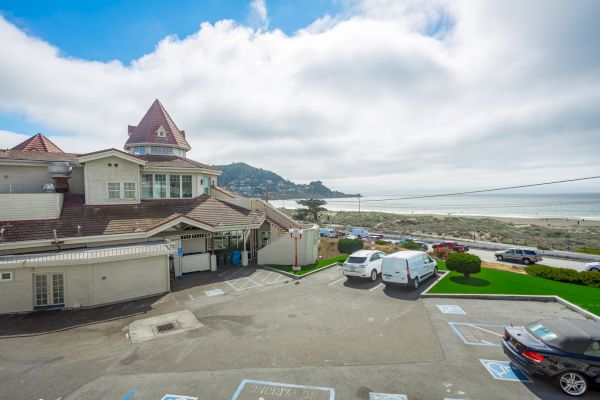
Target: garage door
x,y
129,279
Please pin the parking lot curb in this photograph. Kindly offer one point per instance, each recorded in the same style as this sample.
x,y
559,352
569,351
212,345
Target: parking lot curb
x,y
299,276
514,297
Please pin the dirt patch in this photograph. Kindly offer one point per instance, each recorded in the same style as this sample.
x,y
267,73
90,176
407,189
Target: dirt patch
x,y
510,268
328,248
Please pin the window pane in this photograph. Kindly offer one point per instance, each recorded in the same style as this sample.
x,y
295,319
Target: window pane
x,y
146,186
5,276
129,190
114,190
161,150
58,293
174,186
139,150
207,185
186,185
160,186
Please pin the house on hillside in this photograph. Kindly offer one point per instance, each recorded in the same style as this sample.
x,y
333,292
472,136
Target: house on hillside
x,y
79,230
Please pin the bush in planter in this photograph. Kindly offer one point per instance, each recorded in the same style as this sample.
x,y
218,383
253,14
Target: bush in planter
x,y
464,263
349,246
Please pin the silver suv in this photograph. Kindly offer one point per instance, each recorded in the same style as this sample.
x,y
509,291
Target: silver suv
x,y
526,256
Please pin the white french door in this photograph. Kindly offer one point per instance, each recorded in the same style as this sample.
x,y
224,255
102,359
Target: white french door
x,y
49,289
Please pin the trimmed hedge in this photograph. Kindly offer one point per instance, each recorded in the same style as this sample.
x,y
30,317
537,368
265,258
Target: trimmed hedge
x,y
464,263
349,246
586,278
410,245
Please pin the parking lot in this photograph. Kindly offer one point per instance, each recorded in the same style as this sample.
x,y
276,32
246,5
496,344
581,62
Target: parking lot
x,y
264,336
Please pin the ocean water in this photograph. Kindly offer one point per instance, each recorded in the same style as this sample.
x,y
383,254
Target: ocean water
x,y
569,205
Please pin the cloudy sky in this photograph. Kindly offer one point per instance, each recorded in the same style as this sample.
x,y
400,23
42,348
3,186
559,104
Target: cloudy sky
x,y
373,96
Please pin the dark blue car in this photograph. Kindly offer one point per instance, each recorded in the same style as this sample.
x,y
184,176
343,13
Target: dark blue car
x,y
566,350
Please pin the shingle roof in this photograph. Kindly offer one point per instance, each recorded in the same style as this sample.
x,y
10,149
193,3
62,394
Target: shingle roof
x,y
121,219
28,155
158,161
38,142
145,131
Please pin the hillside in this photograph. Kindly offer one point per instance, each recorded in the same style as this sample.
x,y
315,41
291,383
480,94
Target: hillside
x,y
252,182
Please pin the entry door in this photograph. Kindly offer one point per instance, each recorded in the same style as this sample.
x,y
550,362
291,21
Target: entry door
x,y
49,289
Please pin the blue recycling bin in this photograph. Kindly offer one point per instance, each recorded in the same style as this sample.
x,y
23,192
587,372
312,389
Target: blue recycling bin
x,y
236,257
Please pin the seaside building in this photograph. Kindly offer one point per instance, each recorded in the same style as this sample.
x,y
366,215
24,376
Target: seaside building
x,y
80,230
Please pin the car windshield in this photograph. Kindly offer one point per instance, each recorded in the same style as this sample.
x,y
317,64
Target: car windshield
x,y
541,332
356,260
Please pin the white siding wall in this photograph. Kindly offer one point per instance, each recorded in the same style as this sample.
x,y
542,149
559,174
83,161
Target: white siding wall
x,y
98,174
30,206
129,279
281,250
23,179
17,295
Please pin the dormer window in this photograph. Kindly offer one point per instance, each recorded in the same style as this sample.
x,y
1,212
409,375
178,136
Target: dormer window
x,y
161,132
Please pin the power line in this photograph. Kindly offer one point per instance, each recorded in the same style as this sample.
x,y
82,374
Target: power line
x,y
477,191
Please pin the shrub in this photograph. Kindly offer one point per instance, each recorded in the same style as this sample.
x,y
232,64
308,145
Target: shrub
x,y
441,253
588,250
410,245
348,246
587,278
464,263
382,242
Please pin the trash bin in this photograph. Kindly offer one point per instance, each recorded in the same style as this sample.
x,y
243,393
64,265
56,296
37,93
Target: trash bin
x,y
235,257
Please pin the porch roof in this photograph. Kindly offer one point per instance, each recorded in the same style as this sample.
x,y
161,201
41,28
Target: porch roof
x,y
143,220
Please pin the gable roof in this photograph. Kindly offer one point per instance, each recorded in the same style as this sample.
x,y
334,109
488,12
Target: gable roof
x,y
145,131
112,152
28,155
40,143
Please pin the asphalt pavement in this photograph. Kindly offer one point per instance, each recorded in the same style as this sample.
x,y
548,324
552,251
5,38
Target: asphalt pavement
x,y
488,255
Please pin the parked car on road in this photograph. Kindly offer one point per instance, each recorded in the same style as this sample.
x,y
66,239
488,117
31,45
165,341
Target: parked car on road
x,y
593,266
566,350
327,232
360,232
452,246
526,256
364,264
407,268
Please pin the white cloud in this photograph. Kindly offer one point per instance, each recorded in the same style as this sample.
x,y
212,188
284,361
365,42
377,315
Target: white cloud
x,y
258,14
11,139
389,96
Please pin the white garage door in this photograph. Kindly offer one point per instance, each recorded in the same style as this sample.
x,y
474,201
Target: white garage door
x,y
129,279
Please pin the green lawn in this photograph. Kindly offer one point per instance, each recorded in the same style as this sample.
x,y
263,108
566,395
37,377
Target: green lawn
x,y
588,250
311,267
492,281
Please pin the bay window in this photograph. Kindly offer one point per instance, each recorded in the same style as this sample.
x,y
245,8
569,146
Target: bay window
x,y
175,186
186,186
160,186
146,186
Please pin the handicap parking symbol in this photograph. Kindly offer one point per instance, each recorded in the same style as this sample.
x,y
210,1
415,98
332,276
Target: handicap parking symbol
x,y
177,397
502,370
450,309
214,292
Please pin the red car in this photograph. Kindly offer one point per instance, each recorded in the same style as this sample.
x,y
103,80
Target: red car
x,y
452,246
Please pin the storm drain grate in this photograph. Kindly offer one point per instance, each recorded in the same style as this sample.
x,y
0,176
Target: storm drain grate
x,y
163,328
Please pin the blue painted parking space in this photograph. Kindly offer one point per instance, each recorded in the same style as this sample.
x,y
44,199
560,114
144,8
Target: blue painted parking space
x,y
478,334
387,396
504,371
130,395
450,309
177,397
263,390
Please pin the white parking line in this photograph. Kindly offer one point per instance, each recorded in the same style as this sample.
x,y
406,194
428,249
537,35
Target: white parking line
x,y
485,330
376,287
334,282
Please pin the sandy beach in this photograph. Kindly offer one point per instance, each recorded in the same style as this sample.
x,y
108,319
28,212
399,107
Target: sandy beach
x,y
547,222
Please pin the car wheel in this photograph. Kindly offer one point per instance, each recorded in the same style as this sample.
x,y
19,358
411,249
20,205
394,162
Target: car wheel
x,y
415,283
499,258
526,261
435,271
349,277
595,270
374,275
572,383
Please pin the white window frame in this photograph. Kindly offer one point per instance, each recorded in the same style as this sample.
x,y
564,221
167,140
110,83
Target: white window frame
x,y
121,191
161,132
108,191
10,278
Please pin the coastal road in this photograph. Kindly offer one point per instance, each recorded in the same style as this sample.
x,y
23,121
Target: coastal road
x,y
488,255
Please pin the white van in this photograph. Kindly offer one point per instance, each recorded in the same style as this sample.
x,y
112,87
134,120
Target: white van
x,y
327,232
407,268
360,232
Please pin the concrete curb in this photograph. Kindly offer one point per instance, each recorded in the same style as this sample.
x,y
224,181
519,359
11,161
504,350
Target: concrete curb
x,y
297,277
514,297
69,327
